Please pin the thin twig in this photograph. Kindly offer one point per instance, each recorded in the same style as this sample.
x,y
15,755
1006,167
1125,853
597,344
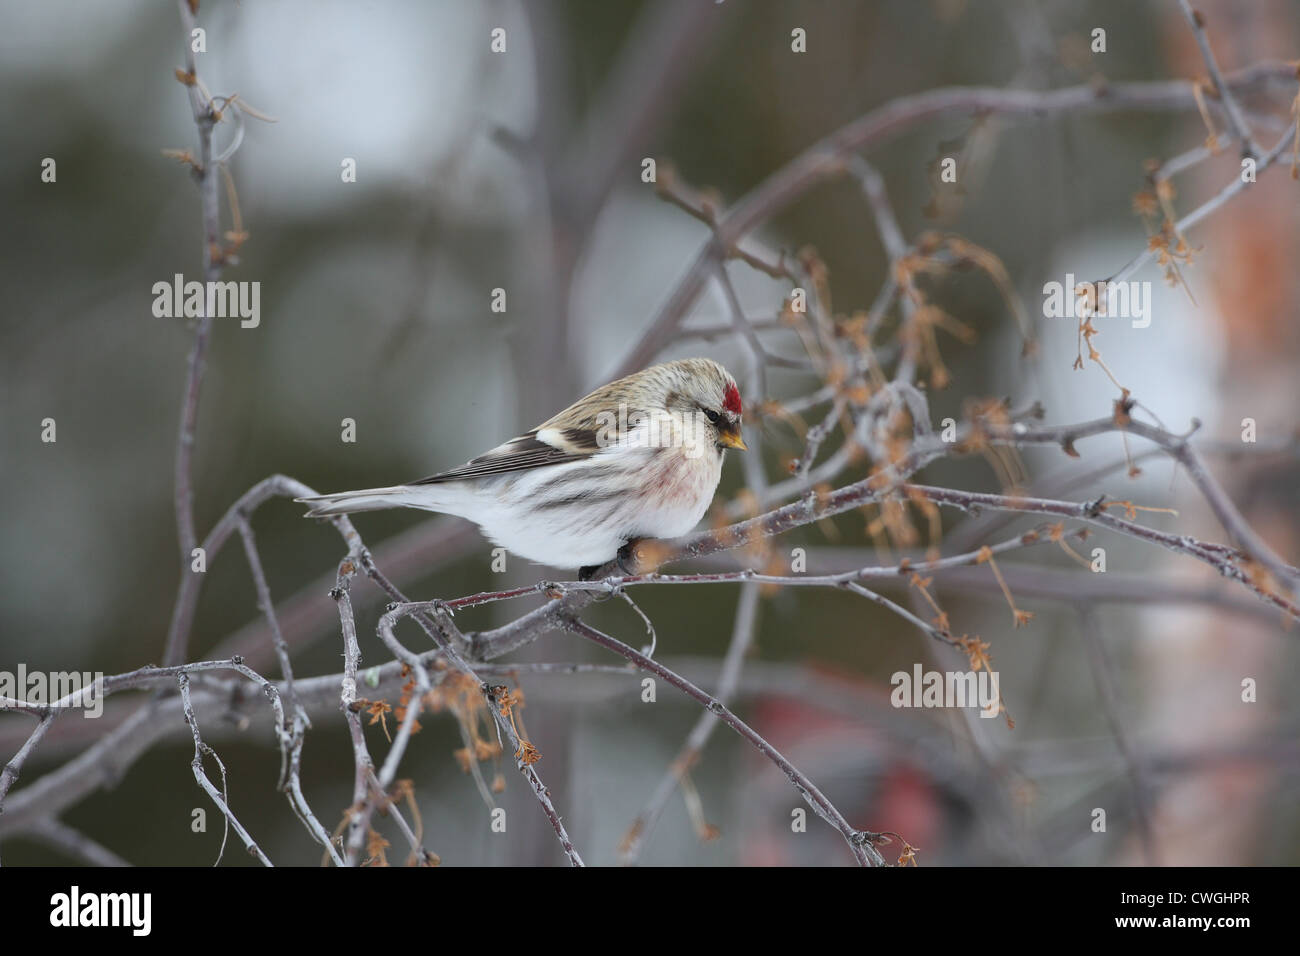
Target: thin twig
x,y
861,842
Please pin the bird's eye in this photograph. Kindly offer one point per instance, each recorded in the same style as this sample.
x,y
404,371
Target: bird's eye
x,y
712,416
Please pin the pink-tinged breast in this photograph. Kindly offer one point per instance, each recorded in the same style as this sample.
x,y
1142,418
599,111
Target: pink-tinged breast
x,y
680,488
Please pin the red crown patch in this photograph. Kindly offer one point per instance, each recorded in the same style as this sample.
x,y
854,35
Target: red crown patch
x,y
731,398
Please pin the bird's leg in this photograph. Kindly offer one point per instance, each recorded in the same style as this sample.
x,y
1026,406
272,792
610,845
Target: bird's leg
x,y
626,557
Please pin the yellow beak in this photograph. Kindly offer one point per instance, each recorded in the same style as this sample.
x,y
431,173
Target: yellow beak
x,y
732,439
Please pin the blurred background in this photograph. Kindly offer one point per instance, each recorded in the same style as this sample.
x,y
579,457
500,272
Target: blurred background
x,y
521,171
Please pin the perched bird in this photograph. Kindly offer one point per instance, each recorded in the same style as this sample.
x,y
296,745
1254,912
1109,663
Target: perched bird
x,y
637,458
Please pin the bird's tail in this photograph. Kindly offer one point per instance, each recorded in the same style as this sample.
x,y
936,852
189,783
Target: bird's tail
x,y
367,499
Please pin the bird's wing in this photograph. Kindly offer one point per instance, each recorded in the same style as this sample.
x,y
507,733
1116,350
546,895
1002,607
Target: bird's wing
x,y
536,449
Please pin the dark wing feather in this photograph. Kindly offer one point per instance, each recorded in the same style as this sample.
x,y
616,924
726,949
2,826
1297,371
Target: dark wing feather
x,y
522,453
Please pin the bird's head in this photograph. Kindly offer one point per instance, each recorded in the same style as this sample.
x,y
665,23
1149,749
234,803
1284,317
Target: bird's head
x,y
692,403
704,390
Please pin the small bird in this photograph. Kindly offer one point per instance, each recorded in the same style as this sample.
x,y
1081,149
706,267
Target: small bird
x,y
637,458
